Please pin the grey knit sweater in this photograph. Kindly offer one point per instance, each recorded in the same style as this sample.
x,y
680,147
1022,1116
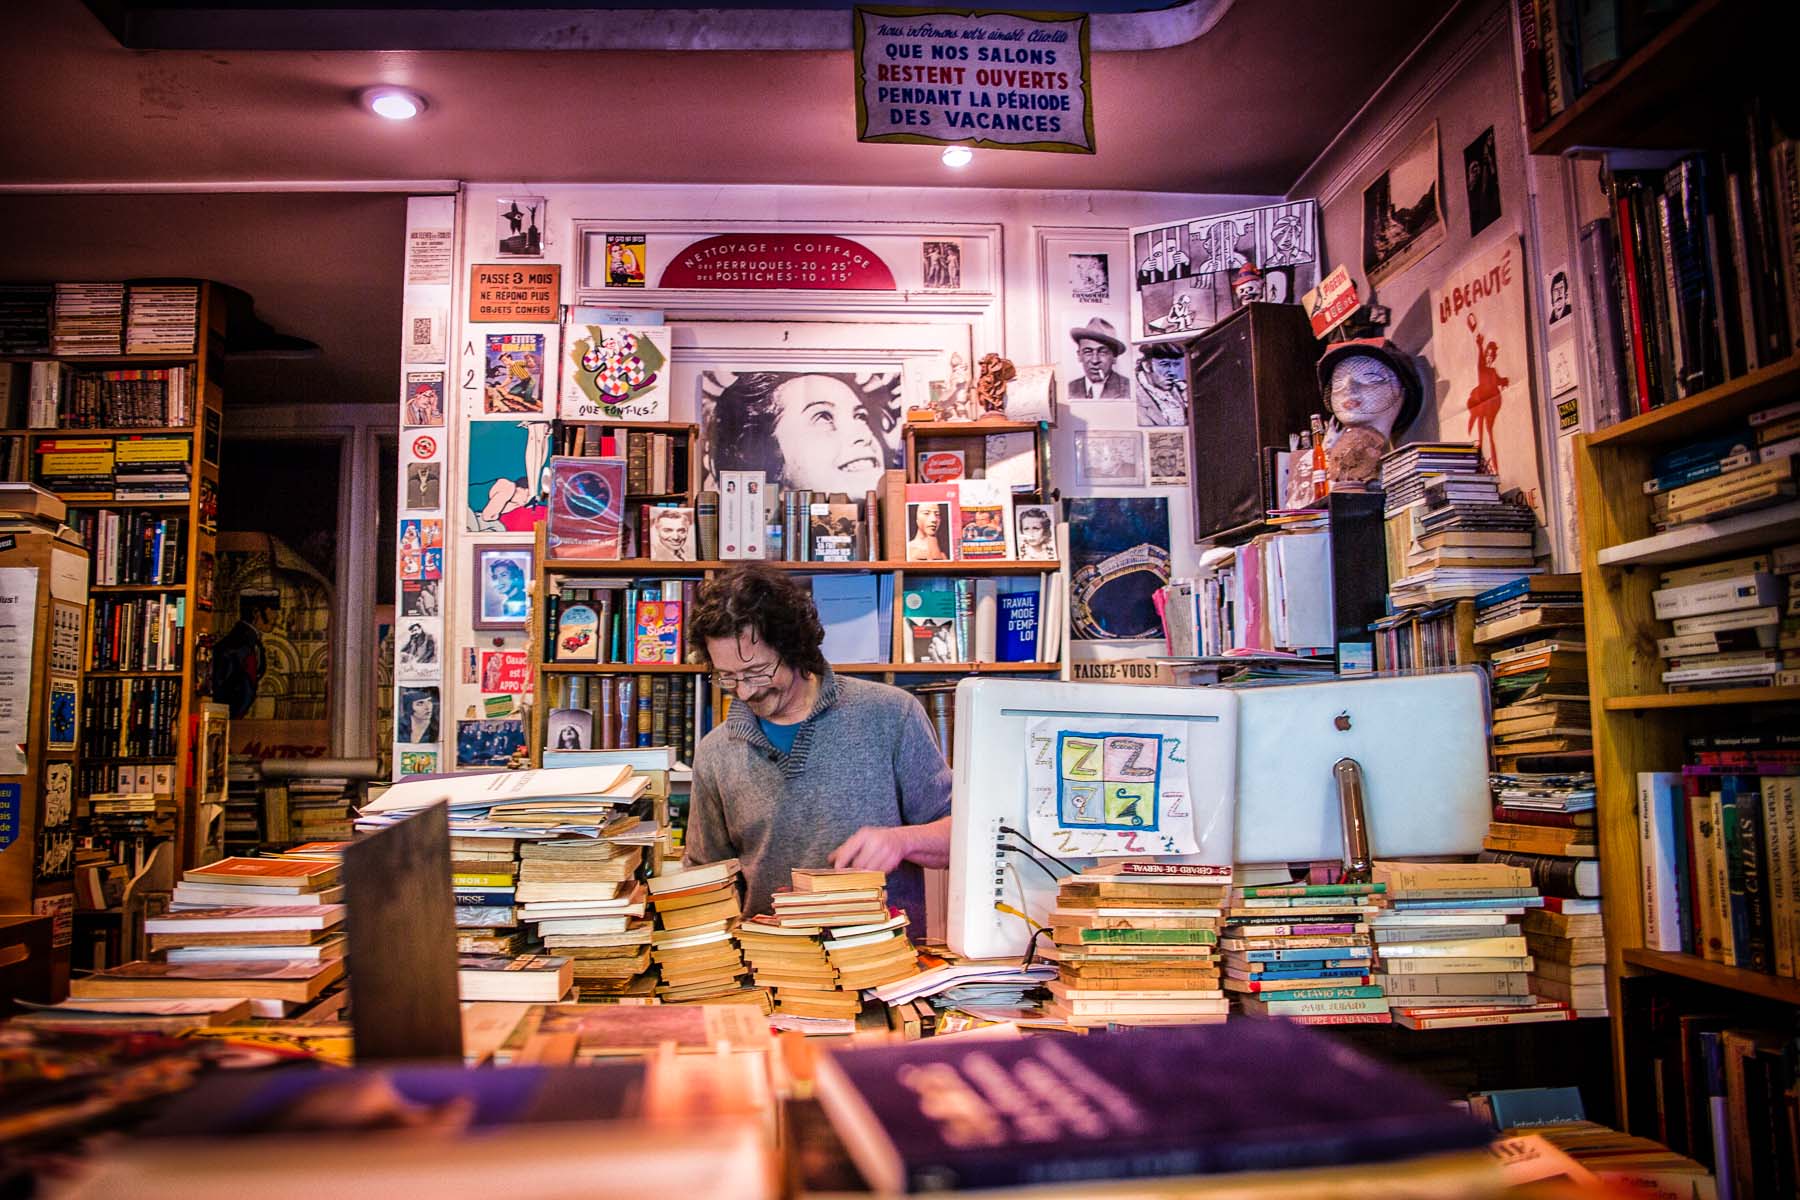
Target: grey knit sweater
x,y
864,756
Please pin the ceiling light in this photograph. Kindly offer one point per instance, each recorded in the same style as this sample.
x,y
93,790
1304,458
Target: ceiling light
x,y
958,156
394,103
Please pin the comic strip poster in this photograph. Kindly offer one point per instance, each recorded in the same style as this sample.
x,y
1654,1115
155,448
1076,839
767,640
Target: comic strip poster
x,y
615,373
1190,275
1483,365
508,475
515,374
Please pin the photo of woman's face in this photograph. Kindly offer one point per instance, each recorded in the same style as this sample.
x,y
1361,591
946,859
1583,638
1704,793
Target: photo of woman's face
x,y
928,520
823,431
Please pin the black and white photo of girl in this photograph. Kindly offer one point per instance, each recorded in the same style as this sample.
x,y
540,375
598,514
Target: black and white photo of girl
x,y
821,431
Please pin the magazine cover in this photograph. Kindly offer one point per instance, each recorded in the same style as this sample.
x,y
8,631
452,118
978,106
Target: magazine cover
x,y
656,632
578,634
587,507
984,521
515,373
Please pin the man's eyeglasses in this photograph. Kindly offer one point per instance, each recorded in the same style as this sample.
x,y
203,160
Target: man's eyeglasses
x,y
755,676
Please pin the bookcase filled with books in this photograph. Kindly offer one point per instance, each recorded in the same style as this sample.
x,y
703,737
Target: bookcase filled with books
x,y
1693,632
117,401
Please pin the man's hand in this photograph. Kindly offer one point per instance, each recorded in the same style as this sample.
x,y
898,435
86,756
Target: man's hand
x,y
872,848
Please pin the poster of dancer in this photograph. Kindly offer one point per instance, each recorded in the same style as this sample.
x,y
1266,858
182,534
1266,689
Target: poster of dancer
x,y
1480,353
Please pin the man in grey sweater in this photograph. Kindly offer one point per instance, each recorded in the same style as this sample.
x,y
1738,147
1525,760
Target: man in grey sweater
x,y
810,769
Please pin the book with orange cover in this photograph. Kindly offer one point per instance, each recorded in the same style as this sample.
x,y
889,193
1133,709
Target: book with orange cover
x,y
260,872
820,879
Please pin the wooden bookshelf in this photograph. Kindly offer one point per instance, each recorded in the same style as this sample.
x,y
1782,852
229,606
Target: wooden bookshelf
x,y
1659,96
1637,725
923,437
203,364
610,568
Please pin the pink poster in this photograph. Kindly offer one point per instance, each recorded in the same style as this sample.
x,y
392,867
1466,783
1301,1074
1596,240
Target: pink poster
x,y
1483,364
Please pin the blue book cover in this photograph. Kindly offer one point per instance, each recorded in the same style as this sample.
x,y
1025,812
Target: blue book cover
x,y
1305,954
1684,880
484,897
1018,627
1473,902
1514,1108
1195,1100
1313,971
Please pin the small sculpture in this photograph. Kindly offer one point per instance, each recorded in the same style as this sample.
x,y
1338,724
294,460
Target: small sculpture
x,y
990,384
1247,286
1373,392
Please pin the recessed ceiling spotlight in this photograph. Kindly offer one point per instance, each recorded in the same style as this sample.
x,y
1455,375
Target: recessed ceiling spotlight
x,y
393,103
958,156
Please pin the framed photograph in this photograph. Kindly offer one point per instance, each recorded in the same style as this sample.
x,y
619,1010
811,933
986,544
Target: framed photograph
x,y
570,729
1403,217
1168,457
519,226
1036,532
1109,458
942,264
501,596
1481,175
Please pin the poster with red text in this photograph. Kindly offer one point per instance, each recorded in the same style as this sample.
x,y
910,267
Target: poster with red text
x,y
1483,363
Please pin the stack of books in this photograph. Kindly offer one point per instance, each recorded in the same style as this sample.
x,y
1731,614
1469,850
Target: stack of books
x,y
162,319
791,964
1726,623
821,899
1738,471
1533,630
243,803
1406,471
1136,943
694,945
830,937
1545,823
258,929
1303,951
484,873
90,319
319,810
25,318
582,898
520,979
1450,950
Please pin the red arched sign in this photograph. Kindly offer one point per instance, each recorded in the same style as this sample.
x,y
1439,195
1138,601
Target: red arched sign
x,y
805,262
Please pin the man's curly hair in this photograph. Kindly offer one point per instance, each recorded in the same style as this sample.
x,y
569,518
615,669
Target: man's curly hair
x,y
768,605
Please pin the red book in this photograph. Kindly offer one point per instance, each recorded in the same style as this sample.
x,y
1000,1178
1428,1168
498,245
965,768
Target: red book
x,y
1535,816
1634,313
266,872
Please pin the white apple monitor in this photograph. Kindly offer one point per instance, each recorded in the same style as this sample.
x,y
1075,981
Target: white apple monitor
x,y
1421,740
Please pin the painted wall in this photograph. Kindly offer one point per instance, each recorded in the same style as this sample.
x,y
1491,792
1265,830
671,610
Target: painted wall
x,y
1016,316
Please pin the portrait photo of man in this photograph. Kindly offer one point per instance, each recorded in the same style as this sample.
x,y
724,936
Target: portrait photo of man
x,y
672,534
1097,348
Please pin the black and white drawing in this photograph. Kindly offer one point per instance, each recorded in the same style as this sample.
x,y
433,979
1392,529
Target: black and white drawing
x,y
1160,385
59,793
419,656
1402,213
1192,274
943,266
1037,532
1089,282
1481,176
821,430
416,714
519,227
1168,457
1109,458
424,487
1556,287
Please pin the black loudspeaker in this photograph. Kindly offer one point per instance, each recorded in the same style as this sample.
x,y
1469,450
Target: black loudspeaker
x,y
1251,382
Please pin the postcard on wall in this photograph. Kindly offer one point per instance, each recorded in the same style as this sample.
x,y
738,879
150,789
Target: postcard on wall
x,y
1481,172
423,491
1402,212
615,373
1190,275
770,421
424,336
417,714
942,266
519,227
416,760
1479,351
505,672
60,731
424,402
515,374
488,743
626,256
420,655
1089,281
1168,457
1109,458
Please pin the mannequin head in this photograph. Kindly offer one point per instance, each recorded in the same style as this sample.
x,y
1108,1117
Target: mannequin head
x,y
1365,390
1373,393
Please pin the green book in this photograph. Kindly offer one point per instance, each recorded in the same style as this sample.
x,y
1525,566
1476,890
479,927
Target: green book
x,y
1160,937
1314,889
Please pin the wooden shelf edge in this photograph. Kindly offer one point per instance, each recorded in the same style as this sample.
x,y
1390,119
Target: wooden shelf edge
x,y
588,668
1708,699
1705,539
110,431
1682,417
970,428
1737,979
